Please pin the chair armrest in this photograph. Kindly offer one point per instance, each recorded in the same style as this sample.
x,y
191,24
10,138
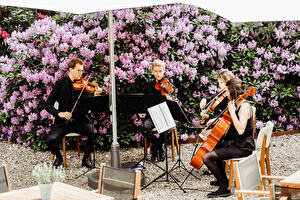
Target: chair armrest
x,y
259,192
273,177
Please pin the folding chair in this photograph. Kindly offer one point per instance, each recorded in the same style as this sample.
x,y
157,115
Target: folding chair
x,y
4,179
249,180
119,183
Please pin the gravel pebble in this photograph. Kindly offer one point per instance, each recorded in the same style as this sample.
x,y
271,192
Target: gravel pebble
x,y
284,158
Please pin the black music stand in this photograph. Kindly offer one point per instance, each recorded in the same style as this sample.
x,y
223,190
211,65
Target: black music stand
x,y
96,104
164,123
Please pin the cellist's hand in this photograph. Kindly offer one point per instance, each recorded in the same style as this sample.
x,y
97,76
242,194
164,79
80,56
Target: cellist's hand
x,y
231,107
203,103
210,121
169,97
66,115
203,114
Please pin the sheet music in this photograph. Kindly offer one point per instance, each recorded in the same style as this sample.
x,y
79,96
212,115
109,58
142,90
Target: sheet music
x,y
161,117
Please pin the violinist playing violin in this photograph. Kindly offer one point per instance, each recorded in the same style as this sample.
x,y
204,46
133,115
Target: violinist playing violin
x,y
220,101
237,142
71,114
156,86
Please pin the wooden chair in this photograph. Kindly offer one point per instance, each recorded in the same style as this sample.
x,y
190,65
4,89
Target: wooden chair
x,y
174,138
249,180
119,183
69,135
4,179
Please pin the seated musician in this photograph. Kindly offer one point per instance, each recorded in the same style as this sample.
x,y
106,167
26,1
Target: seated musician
x,y
158,153
238,142
218,101
67,121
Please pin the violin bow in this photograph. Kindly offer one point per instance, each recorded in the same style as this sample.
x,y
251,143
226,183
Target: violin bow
x,y
83,88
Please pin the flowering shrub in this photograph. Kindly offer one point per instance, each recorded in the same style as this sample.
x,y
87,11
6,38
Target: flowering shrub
x,y
266,55
193,43
45,173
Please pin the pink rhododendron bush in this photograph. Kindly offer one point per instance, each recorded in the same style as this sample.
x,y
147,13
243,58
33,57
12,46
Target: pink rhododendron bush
x,y
194,44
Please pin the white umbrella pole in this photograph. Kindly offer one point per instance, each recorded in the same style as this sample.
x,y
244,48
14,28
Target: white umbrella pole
x,y
115,147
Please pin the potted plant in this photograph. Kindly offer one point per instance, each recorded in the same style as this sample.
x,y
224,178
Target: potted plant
x,y
45,174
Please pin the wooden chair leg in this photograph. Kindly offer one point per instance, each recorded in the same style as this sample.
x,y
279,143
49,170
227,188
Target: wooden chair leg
x,y
176,140
64,151
226,166
77,146
52,156
172,145
268,161
230,181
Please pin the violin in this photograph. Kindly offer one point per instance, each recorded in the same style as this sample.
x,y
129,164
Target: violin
x,y
221,127
164,86
84,83
213,104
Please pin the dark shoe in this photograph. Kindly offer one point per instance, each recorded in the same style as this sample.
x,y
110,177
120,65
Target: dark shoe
x,y
162,155
206,173
214,183
57,162
86,162
219,193
154,157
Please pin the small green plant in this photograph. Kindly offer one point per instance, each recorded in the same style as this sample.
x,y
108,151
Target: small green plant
x,y
45,173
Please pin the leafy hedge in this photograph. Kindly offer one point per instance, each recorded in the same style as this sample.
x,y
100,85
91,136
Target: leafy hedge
x,y
194,44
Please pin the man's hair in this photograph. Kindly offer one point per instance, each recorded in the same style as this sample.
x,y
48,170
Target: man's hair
x,y
159,63
225,76
72,63
236,87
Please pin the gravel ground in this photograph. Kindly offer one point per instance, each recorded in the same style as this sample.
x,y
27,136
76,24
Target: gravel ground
x,y
284,156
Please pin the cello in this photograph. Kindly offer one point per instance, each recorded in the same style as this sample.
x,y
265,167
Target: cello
x,y
221,128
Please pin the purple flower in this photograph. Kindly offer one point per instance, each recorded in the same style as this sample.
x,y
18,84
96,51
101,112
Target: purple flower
x,y
242,47
259,124
251,44
212,89
184,137
268,55
282,118
195,122
273,103
14,121
44,114
204,80
138,137
279,33
138,122
191,110
277,50
102,130
260,51
244,70
32,117
289,127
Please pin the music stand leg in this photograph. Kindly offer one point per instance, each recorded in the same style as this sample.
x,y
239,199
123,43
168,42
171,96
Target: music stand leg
x,y
90,169
166,172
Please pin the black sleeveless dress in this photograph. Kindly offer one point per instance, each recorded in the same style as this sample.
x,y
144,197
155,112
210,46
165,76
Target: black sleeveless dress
x,y
234,145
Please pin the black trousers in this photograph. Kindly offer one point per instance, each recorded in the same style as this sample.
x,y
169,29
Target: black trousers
x,y
155,139
61,129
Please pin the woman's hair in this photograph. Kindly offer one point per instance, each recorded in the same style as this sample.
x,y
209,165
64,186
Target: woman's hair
x,y
235,87
158,63
73,62
225,76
